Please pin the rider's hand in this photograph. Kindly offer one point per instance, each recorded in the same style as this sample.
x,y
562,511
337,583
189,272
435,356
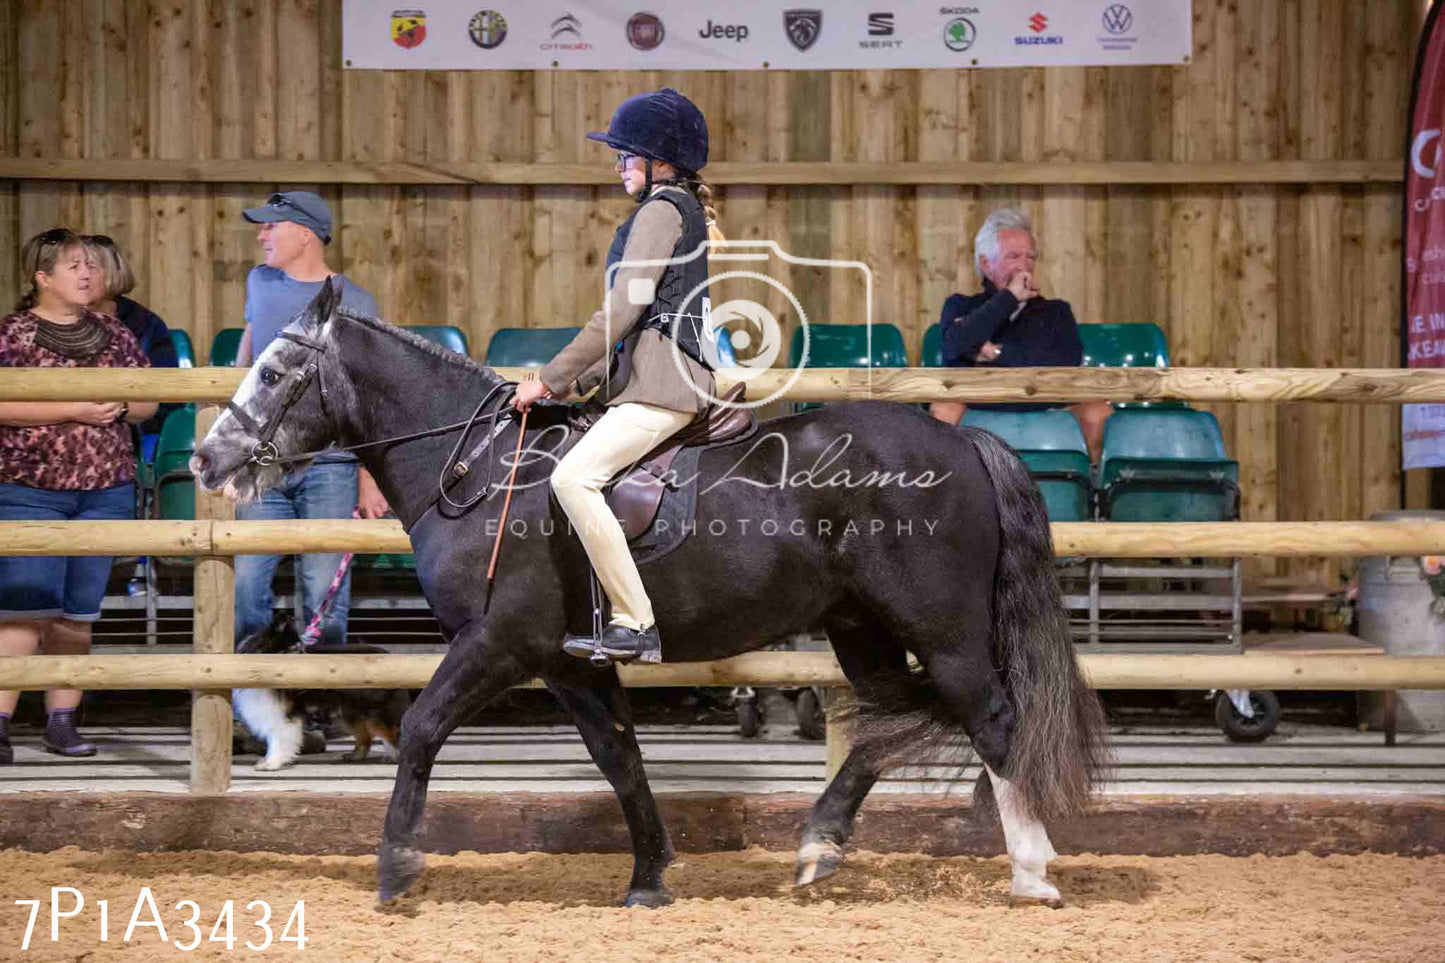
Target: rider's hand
x,y
529,391
99,413
1022,285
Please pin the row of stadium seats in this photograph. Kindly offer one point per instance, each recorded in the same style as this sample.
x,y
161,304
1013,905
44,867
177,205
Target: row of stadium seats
x,y
1164,464
846,346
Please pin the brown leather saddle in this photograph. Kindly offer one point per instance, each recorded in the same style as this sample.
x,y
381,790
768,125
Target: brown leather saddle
x,y
634,496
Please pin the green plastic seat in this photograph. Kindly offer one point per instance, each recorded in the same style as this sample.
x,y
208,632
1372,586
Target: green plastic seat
x,y
224,347
185,353
846,346
932,354
174,492
1052,446
448,336
527,347
1140,345
1166,465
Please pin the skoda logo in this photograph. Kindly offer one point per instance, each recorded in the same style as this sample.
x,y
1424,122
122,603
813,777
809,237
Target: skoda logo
x,y
959,34
1118,18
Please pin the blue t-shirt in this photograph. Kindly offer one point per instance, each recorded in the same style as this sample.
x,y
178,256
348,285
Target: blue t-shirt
x,y
274,299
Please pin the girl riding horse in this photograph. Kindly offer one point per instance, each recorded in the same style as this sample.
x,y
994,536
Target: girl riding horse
x,y
658,378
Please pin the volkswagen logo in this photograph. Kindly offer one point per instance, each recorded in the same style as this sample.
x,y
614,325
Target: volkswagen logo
x,y
1118,18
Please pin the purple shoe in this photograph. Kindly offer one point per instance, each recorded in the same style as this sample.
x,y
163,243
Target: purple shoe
x,y
62,738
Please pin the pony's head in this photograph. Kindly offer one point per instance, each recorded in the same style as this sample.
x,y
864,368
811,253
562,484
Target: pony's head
x,y
280,410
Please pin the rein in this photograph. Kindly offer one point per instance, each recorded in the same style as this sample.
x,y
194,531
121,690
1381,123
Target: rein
x,y
264,452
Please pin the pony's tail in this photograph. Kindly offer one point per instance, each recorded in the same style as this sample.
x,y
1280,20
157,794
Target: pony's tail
x,y
1057,754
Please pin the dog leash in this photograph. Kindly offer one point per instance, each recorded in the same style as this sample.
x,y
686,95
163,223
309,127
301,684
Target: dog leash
x,y
313,631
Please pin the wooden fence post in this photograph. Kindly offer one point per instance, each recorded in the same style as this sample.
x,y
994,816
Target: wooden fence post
x,y
839,738
215,604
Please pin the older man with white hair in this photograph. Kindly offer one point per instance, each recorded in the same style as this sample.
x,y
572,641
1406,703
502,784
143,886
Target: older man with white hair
x,y
1010,324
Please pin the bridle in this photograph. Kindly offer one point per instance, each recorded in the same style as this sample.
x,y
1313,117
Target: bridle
x,y
264,452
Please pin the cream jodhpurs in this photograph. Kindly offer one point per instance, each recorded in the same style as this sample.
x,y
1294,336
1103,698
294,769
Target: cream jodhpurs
x,y
620,438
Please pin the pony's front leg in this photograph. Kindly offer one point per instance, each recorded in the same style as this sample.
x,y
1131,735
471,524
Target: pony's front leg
x,y
471,675
603,715
1029,849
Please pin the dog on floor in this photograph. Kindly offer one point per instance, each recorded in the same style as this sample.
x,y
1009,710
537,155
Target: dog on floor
x,y
277,716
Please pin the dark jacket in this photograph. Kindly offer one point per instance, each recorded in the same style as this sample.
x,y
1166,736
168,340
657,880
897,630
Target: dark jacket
x,y
155,341
1043,334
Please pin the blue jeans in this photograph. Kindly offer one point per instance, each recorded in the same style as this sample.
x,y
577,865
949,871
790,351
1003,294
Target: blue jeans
x,y
50,587
325,490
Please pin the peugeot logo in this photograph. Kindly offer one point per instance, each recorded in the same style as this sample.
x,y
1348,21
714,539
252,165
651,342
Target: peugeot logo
x,y
1118,18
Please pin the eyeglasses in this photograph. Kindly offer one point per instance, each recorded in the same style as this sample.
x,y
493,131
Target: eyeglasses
x,y
58,235
625,157
99,239
281,200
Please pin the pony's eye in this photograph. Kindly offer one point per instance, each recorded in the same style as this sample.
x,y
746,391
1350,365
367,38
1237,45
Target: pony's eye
x,y
269,377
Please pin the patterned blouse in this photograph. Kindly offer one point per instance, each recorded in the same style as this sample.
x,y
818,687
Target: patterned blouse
x,y
69,456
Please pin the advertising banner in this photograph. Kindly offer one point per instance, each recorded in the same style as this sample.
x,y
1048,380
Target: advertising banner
x,y
761,35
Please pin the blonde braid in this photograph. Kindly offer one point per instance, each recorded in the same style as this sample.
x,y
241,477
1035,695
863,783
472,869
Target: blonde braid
x,y
703,193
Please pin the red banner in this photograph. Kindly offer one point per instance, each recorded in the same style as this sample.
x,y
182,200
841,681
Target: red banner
x,y
1423,337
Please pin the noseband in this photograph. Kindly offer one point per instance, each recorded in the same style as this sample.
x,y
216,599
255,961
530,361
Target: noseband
x,y
264,452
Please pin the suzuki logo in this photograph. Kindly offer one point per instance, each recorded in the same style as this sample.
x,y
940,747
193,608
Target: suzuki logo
x,y
1417,152
1038,23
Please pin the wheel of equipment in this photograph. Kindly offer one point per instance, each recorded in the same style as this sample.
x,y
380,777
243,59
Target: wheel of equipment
x,y
1239,729
812,723
750,717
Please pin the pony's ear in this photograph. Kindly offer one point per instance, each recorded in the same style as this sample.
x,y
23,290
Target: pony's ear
x,y
323,307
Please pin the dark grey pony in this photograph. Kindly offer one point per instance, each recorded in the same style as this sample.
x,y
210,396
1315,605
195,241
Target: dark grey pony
x,y
890,530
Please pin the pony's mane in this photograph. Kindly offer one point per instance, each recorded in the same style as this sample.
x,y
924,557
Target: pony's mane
x,y
413,339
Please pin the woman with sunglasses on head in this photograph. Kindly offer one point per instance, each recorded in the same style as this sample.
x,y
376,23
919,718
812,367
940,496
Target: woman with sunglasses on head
x,y
660,377
59,461
114,280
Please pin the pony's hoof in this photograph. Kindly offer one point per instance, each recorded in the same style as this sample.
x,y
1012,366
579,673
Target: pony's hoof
x,y
816,861
397,870
1035,892
648,898
273,765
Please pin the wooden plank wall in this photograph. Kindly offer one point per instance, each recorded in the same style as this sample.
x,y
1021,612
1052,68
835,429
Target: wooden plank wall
x,y
1237,275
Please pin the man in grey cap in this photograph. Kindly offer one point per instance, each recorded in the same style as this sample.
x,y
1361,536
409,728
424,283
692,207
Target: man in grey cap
x,y
295,229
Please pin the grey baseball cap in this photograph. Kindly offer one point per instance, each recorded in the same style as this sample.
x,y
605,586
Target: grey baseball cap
x,y
299,207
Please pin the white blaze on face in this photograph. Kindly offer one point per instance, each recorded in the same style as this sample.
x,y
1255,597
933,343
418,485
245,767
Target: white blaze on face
x,y
246,394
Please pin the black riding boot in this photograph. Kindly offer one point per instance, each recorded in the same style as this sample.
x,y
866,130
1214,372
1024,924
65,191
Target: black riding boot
x,y
617,644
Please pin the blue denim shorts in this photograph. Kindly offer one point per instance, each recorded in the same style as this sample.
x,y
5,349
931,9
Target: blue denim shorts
x,y
47,587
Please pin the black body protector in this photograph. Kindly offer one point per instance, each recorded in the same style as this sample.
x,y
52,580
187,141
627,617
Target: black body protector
x,y
667,313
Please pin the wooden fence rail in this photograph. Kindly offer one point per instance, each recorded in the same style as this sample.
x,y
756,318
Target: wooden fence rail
x,y
1096,539
1142,671
783,173
1352,385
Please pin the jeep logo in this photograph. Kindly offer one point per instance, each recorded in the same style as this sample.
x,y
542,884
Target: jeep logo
x,y
737,32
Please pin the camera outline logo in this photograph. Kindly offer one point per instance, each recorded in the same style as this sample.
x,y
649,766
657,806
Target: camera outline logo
x,y
709,320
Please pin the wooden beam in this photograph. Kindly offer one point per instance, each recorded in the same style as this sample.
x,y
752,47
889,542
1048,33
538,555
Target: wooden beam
x,y
791,669
1096,539
274,171
1352,385
215,606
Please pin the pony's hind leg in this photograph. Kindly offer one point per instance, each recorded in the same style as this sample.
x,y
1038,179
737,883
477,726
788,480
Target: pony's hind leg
x,y
603,716
1029,849
975,693
471,675
863,652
